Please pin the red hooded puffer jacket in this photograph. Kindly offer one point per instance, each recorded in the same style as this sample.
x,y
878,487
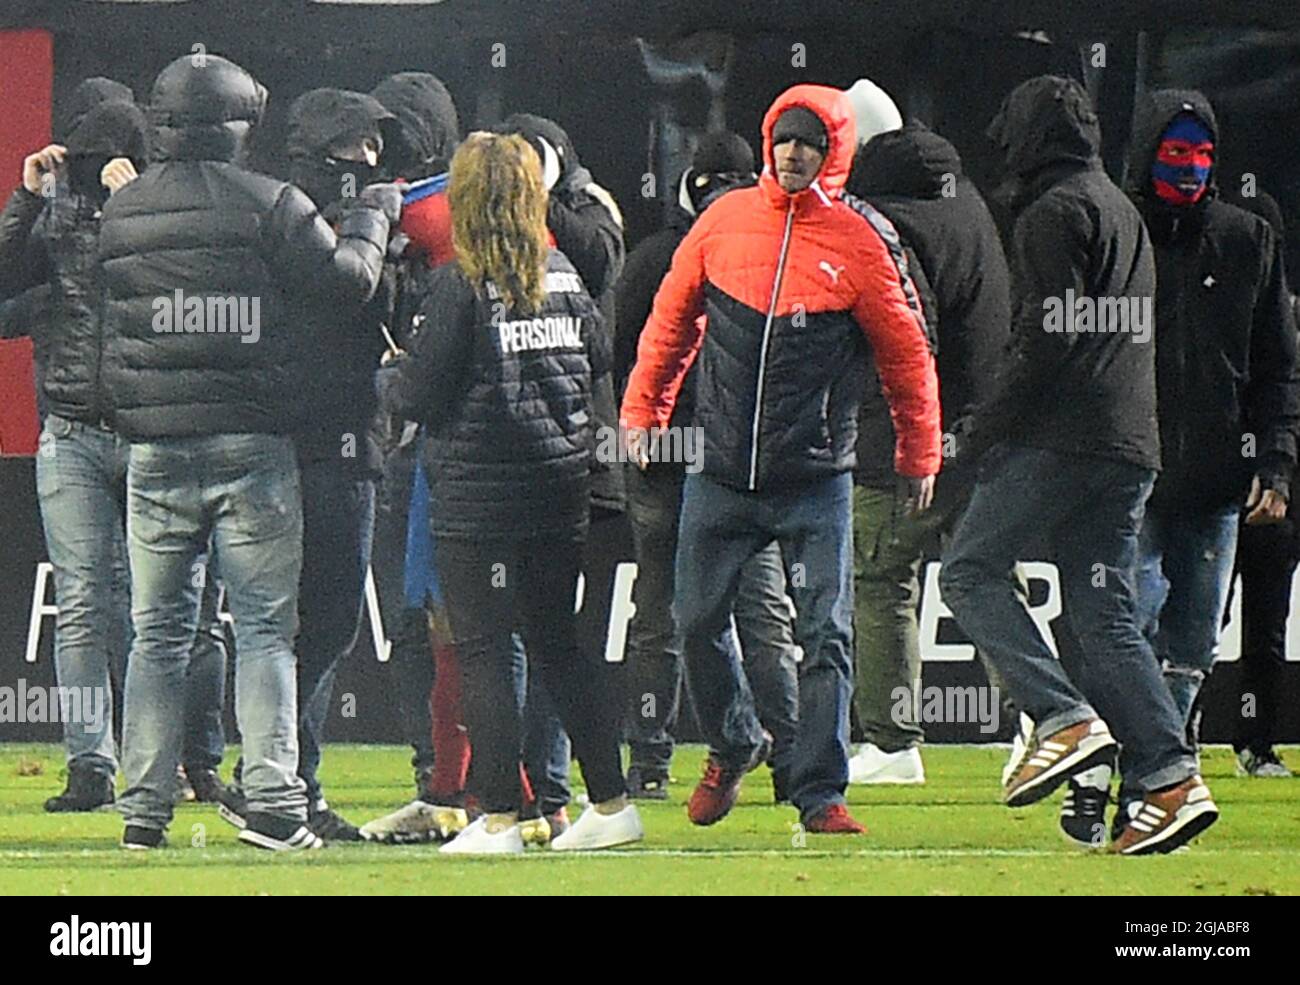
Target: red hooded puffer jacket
x,y
791,285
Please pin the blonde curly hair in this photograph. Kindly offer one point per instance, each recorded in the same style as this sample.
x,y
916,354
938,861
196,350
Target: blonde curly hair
x,y
498,218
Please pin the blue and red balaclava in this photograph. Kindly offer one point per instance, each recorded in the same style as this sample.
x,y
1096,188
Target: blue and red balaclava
x,y
1180,173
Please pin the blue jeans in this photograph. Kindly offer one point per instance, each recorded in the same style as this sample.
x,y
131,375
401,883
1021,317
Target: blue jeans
x,y
205,685
763,622
1184,573
1090,510
721,529
81,483
547,750
241,493
338,530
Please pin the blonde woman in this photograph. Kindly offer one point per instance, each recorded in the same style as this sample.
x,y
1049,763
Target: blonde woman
x,y
501,376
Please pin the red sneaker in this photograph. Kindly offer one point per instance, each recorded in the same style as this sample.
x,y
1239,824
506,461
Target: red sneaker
x,y
834,820
719,788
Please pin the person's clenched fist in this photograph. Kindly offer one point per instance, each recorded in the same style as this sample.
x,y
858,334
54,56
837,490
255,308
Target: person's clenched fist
x,y
43,162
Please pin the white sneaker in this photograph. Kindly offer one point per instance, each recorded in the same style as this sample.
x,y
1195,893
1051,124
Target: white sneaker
x,y
476,840
594,830
417,821
1269,766
1019,743
873,765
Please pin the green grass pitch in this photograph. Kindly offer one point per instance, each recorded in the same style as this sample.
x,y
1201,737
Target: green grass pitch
x,y
949,837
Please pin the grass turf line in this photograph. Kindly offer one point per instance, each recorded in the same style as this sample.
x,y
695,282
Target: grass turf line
x,y
948,837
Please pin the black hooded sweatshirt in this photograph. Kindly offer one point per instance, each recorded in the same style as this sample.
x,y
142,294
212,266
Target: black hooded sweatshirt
x,y
53,241
1227,382
914,176
197,223
1075,393
341,425
589,234
426,129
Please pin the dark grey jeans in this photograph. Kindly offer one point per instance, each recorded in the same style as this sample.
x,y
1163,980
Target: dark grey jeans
x,y
1091,510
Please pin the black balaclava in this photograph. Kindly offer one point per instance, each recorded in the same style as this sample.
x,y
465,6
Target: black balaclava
x,y
110,129
320,120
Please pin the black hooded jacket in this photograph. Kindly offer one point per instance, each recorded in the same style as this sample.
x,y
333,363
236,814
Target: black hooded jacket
x,y
1079,393
340,424
197,228
1229,393
88,94
589,232
914,176
52,240
427,127
634,296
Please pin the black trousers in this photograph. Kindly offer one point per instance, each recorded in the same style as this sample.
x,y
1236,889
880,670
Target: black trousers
x,y
491,587
1266,561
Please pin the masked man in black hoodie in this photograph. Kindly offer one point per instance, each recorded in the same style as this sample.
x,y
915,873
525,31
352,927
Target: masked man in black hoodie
x,y
207,269
48,235
1075,453
722,161
1227,388
914,177
335,142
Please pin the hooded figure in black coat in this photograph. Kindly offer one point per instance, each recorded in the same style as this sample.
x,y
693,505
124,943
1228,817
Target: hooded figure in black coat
x,y
914,176
53,241
588,229
327,129
1073,392
197,222
1227,383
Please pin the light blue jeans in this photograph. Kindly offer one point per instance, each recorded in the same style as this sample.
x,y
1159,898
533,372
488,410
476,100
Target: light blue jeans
x,y
81,483
241,492
1184,571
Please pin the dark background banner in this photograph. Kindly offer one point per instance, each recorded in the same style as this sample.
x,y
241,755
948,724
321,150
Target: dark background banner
x,y
365,706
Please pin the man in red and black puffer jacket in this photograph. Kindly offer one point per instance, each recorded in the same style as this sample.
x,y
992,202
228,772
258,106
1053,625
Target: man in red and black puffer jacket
x,y
794,285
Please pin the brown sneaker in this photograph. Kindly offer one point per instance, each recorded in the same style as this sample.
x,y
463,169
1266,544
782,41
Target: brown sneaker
x,y
1051,760
1168,819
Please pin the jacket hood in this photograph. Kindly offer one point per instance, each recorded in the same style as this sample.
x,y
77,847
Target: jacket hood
x,y
428,128
874,112
914,162
90,93
834,110
321,118
572,174
202,108
1043,121
1151,117
112,129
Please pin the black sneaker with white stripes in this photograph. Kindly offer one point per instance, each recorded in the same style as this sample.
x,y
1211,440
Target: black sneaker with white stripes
x,y
232,807
1083,811
278,834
